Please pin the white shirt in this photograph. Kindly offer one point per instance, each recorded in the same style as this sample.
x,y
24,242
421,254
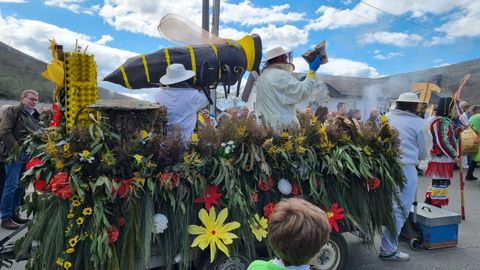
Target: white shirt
x,y
182,106
278,92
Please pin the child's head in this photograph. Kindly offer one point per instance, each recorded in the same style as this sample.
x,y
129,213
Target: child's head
x,y
297,230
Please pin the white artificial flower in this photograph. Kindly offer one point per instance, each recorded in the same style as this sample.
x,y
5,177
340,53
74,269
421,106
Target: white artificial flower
x,y
160,222
230,142
284,186
223,144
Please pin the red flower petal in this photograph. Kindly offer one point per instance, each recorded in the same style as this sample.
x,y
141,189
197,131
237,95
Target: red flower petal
x,y
209,197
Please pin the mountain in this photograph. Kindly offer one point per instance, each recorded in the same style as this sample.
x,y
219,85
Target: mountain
x,y
19,71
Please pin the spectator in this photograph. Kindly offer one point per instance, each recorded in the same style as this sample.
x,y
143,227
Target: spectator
x,y
17,123
321,113
252,116
297,230
410,128
308,111
3,108
244,112
373,120
474,123
182,101
223,118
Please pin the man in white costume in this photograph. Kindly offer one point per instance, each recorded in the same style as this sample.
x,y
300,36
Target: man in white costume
x,y
182,101
278,92
410,129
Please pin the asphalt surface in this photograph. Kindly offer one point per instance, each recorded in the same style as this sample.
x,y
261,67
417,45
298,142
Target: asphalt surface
x,y
465,256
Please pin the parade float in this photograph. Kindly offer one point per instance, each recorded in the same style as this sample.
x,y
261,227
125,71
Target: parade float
x,y
113,191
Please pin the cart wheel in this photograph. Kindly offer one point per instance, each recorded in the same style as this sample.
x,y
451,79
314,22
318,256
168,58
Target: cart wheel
x,y
415,243
333,255
236,261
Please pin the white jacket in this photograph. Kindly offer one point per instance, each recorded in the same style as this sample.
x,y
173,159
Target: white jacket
x,y
410,129
278,92
182,106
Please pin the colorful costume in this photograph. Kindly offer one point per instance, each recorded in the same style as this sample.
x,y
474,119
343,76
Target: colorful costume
x,y
444,151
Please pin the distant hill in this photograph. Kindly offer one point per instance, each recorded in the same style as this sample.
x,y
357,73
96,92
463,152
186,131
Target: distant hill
x,y
19,71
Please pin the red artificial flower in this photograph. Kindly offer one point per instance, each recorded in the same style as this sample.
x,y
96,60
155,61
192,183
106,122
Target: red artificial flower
x,y
33,162
167,177
60,185
121,221
39,183
268,209
335,214
124,189
112,233
56,116
295,189
435,152
209,197
265,186
254,197
373,183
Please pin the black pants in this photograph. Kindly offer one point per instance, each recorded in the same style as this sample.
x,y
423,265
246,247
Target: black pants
x,y
471,168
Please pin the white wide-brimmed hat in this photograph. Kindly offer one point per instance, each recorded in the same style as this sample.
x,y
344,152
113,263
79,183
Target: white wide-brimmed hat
x,y
275,52
176,73
408,97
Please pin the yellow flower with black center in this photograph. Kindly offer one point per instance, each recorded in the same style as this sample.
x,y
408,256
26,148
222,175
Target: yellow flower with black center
x,y
87,211
67,265
70,250
76,203
80,220
73,241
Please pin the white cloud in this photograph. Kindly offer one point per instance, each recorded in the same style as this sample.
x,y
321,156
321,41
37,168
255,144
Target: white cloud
x,y
463,23
287,36
333,18
31,37
339,67
13,1
388,55
73,5
246,13
442,65
391,38
438,60
437,40
104,40
231,33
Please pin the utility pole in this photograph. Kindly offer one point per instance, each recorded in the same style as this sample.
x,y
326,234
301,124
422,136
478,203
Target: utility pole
x,y
205,15
216,17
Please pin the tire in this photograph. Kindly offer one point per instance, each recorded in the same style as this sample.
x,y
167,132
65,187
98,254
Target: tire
x,y
333,255
237,261
415,243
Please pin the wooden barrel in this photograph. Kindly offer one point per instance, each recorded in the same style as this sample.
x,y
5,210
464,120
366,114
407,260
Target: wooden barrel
x,y
469,145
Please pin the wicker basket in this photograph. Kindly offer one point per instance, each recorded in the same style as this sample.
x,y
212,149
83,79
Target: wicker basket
x,y
469,143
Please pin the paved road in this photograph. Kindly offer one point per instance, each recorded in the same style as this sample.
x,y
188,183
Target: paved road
x,y
465,257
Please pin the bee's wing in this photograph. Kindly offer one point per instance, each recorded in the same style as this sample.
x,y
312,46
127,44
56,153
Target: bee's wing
x,y
182,31
252,78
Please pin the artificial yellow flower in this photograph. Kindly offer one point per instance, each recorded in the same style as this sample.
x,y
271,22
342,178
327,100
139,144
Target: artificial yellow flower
x,y
108,158
272,150
80,220
86,154
288,146
59,261
241,131
383,119
314,120
299,139
67,265
143,134
87,211
215,233
50,148
138,158
70,250
259,227
285,134
301,149
73,241
59,165
137,178
66,147
78,169
70,215
194,138
76,203
367,150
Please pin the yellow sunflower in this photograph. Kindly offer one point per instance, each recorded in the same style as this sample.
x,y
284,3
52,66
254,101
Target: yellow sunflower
x,y
73,241
215,233
67,265
70,215
70,250
76,203
259,227
59,261
80,220
87,211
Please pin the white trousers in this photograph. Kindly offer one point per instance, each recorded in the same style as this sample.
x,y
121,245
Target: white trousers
x,y
390,243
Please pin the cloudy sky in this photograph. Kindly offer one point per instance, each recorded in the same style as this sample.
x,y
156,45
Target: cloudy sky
x,y
368,38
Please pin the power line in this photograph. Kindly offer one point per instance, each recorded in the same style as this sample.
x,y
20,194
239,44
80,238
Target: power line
x,y
409,21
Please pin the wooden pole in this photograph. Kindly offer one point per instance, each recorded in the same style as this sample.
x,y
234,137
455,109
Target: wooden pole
x,y
462,182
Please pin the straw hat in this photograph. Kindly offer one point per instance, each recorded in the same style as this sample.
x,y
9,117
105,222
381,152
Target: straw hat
x,y
408,97
176,73
275,52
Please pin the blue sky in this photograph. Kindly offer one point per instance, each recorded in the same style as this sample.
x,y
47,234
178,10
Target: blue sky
x,y
368,38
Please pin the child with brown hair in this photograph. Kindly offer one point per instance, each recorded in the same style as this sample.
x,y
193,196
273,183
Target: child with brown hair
x,y
297,230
